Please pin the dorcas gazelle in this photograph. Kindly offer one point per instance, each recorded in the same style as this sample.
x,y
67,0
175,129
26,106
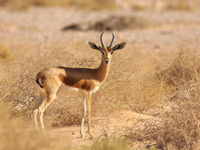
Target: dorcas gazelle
x,y
85,80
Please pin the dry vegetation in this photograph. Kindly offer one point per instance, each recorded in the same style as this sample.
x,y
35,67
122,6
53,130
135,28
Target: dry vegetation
x,y
15,133
183,5
156,76
87,4
180,115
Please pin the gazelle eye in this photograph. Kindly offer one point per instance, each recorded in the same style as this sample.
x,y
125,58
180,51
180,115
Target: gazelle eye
x,y
111,52
102,53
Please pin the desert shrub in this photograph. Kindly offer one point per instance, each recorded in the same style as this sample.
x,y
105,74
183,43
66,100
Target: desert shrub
x,y
178,126
16,134
178,129
120,23
184,69
5,54
112,23
18,89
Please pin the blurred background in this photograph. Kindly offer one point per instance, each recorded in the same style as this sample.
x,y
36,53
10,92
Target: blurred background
x,y
105,4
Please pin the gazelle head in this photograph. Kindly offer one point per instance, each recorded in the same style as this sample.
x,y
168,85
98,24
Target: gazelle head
x,y
107,51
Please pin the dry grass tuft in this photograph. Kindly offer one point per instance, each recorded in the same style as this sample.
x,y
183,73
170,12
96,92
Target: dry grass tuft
x,y
110,143
178,128
183,70
16,134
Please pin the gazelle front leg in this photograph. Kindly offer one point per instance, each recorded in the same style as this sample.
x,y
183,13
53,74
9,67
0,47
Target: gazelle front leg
x,y
84,115
89,115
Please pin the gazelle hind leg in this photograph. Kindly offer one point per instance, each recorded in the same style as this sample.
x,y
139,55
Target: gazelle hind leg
x,y
35,113
89,115
84,115
44,105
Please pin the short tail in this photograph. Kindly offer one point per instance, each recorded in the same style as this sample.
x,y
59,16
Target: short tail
x,y
37,80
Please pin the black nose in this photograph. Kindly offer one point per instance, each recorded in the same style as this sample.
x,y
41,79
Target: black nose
x,y
107,61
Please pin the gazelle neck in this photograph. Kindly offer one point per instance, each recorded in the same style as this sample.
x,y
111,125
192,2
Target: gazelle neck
x,y
102,70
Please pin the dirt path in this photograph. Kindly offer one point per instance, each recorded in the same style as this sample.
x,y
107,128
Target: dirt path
x,y
115,124
68,136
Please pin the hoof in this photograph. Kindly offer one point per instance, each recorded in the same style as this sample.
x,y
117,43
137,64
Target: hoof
x,y
91,135
82,135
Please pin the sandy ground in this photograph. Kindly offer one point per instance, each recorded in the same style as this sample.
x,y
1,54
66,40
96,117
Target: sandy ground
x,y
102,127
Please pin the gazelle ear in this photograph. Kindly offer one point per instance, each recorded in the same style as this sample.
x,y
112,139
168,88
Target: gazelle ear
x,y
94,46
119,46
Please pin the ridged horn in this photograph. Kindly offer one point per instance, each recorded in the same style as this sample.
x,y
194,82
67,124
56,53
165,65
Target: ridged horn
x,y
101,39
112,40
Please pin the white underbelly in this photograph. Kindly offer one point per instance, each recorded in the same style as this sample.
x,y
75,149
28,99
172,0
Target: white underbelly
x,y
64,89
